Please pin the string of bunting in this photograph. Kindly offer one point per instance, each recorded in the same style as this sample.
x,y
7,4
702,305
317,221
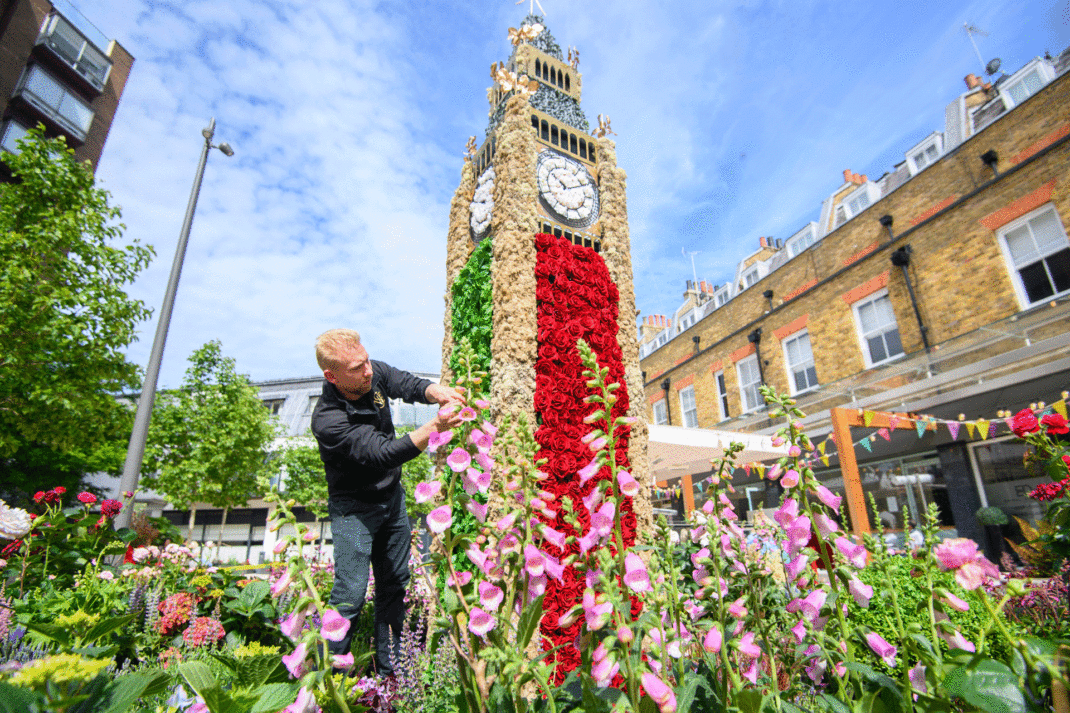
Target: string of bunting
x,y
985,428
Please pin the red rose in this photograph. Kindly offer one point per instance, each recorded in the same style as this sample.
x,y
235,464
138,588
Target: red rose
x,y
39,496
1025,421
1055,423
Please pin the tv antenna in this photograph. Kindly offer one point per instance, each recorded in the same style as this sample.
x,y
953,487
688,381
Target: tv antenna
x,y
972,30
694,274
532,4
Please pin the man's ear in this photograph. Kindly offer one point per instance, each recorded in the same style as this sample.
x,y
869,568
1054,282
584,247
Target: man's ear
x,y
329,376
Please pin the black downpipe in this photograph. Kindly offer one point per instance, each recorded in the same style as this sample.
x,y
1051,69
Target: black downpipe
x,y
668,406
901,259
755,338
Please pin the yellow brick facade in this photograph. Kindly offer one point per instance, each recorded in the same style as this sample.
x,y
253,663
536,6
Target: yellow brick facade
x,y
958,270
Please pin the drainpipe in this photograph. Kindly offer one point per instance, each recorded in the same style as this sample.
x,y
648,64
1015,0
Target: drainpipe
x,y
768,294
696,339
668,407
755,338
901,259
991,159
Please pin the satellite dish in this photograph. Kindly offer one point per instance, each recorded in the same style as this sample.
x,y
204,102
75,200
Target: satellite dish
x,y
993,66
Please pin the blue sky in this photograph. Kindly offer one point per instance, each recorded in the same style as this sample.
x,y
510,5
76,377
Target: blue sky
x,y
349,119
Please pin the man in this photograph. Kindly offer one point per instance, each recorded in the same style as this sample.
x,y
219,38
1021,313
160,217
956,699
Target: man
x,y
362,459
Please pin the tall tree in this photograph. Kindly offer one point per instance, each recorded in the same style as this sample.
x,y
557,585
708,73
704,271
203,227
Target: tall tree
x,y
65,318
209,440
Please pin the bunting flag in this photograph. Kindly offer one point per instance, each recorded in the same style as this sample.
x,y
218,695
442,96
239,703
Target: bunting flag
x,y
920,425
982,427
865,444
885,434
761,470
821,447
825,460
970,428
953,429
867,418
746,469
1060,408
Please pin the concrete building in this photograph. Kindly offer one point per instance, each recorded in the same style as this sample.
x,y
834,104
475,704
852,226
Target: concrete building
x,y
59,70
940,288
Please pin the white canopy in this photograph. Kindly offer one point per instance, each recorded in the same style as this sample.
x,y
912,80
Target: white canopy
x,y
675,450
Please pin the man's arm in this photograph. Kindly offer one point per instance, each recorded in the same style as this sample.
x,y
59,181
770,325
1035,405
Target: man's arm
x,y
442,395
422,434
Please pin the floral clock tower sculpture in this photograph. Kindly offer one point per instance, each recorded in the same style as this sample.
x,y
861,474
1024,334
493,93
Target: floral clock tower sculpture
x,y
538,257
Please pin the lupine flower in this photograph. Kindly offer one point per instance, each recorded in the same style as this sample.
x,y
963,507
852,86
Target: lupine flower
x,y
882,648
459,460
861,592
490,596
439,519
660,692
295,661
427,490
636,576
830,499
335,626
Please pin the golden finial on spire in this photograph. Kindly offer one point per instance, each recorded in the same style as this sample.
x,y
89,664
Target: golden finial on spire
x,y
603,129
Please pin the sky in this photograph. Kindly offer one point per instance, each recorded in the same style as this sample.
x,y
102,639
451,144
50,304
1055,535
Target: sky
x,y
349,118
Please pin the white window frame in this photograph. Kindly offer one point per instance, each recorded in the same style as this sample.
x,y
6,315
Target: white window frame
x,y
793,368
69,44
1044,71
688,407
935,141
1015,274
685,322
752,385
721,296
803,239
863,339
661,415
745,278
722,394
869,190
61,110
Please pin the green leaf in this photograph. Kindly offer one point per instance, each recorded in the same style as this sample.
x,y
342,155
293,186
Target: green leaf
x,y
107,626
750,701
274,697
128,688
126,534
988,685
52,632
529,622
200,679
253,594
14,699
687,689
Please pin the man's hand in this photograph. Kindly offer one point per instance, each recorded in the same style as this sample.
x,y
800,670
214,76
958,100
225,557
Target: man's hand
x,y
442,395
444,420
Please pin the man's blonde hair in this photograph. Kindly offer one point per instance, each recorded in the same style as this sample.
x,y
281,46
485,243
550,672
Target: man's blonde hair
x,y
332,343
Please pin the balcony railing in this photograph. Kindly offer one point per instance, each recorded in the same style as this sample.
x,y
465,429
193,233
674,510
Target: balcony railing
x,y
77,52
56,101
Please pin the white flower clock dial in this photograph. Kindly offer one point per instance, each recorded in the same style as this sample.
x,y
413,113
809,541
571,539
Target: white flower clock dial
x,y
567,190
482,206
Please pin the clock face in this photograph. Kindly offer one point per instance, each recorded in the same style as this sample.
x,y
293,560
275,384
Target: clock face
x,y
567,190
482,206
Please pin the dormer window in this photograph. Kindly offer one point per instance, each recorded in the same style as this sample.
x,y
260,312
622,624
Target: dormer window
x,y
858,201
1025,83
749,277
686,321
720,298
801,240
926,153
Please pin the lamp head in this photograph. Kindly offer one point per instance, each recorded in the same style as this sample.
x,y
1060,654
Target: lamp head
x,y
226,149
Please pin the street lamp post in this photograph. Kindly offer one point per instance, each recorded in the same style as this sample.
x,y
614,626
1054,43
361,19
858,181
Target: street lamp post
x,y
135,452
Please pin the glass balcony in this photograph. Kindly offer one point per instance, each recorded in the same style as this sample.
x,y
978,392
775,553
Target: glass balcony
x,y
49,96
12,131
71,46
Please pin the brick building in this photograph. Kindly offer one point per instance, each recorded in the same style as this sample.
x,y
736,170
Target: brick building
x,y
941,288
57,69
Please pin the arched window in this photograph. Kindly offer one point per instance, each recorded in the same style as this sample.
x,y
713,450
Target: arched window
x,y
546,72
567,82
538,67
553,135
590,151
493,146
572,143
583,149
545,131
535,123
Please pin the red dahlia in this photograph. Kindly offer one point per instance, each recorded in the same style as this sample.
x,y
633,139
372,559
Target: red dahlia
x,y
1025,421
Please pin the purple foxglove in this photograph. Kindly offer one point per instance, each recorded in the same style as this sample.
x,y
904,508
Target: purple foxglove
x,y
489,427
958,641
536,587
295,661
505,522
707,507
490,596
281,585
794,451
747,647
882,648
861,592
459,460
437,439
713,640
534,561
305,703
589,471
751,672
636,576
790,478
589,541
468,414
293,624
830,500
737,609
625,635
555,538
343,661
661,693
427,490
485,462
628,485
603,672
799,630
477,509
774,472
955,603
480,622
796,566
439,519
825,524
460,579
856,554
596,613
477,556
917,678
335,626
787,512
554,568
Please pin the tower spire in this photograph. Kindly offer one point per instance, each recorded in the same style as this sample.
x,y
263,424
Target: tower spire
x,y
532,4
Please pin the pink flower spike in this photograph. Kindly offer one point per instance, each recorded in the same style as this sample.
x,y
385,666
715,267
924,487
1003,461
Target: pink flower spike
x,y
589,471
553,567
799,630
790,479
830,499
796,567
557,539
477,509
505,522
737,609
713,640
439,519
856,554
787,512
958,641
636,576
534,562
777,441
458,460
468,414
305,703
794,451
707,507
861,592
281,584
597,444
481,623
490,596
751,672
459,579
427,490
956,603
628,485
484,461
596,613
660,692
292,625
334,626
482,403
882,648
917,678
343,661
295,661
825,524
747,647
438,438
448,409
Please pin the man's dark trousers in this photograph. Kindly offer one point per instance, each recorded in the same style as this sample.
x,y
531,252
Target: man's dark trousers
x,y
377,534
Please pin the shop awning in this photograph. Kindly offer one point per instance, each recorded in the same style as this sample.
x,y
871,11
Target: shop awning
x,y
675,450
